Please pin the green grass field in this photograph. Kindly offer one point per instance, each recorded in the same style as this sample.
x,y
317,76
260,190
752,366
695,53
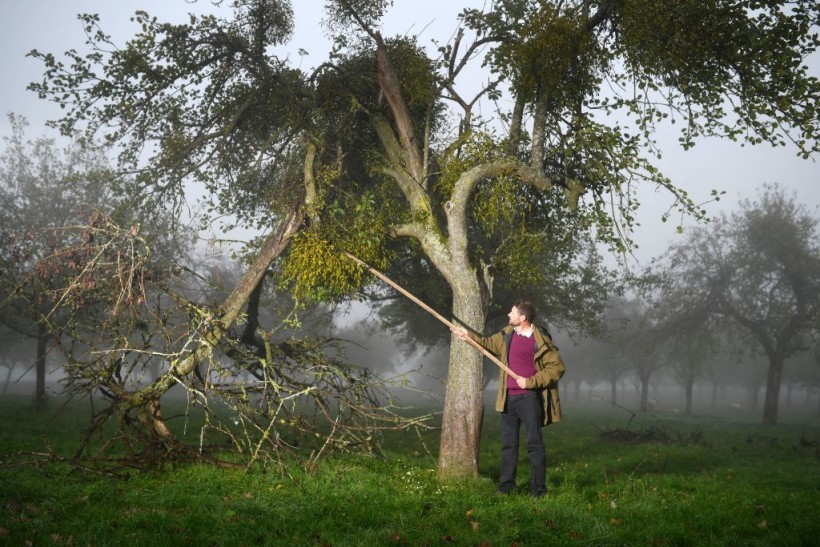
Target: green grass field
x,y
713,481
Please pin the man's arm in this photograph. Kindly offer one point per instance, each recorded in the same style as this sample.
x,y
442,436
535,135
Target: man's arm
x,y
549,369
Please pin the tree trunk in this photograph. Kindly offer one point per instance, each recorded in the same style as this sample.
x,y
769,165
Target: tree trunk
x,y
773,381
644,394
464,400
613,392
688,394
539,131
147,399
40,366
516,123
11,364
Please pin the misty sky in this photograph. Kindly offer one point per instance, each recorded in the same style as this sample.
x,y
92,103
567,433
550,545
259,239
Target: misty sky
x,y
51,26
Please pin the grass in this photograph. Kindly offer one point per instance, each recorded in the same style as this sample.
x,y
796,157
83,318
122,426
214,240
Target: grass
x,y
719,481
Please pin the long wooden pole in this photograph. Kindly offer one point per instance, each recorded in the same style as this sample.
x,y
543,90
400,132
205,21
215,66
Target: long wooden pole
x,y
434,313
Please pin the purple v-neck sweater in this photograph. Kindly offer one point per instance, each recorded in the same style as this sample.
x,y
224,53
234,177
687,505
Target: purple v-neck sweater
x,y
521,360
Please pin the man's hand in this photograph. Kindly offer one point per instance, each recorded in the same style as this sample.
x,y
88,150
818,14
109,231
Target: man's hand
x,y
459,332
522,382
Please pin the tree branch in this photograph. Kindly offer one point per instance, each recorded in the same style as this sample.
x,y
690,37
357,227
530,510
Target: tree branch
x,y
389,84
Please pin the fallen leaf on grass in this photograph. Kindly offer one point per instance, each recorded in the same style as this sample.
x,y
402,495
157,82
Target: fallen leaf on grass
x,y
395,538
763,525
575,535
473,523
4,531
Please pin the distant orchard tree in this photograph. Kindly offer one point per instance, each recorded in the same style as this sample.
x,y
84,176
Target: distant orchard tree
x,y
639,340
803,374
607,351
46,192
690,338
691,352
760,268
9,355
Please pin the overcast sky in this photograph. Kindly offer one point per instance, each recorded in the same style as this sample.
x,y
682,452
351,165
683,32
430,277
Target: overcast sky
x,y
52,26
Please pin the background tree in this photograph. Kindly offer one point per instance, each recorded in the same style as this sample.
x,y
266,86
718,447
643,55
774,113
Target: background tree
x,y
691,352
365,139
638,340
586,354
760,268
690,336
44,191
803,371
611,365
798,372
11,357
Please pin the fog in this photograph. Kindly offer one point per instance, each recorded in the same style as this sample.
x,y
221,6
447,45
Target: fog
x,y
50,25
417,379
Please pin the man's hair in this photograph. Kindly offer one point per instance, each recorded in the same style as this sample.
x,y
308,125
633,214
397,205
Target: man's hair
x,y
525,308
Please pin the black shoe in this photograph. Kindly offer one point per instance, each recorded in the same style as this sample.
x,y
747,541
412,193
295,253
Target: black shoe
x,y
501,492
539,494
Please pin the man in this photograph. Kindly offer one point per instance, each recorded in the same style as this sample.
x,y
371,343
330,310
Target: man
x,y
529,397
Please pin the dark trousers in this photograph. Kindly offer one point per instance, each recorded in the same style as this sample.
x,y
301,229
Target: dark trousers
x,y
526,409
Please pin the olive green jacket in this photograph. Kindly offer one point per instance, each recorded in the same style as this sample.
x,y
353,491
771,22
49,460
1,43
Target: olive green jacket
x,y
548,365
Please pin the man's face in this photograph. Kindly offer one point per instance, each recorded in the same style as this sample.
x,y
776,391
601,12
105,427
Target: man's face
x,y
515,318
